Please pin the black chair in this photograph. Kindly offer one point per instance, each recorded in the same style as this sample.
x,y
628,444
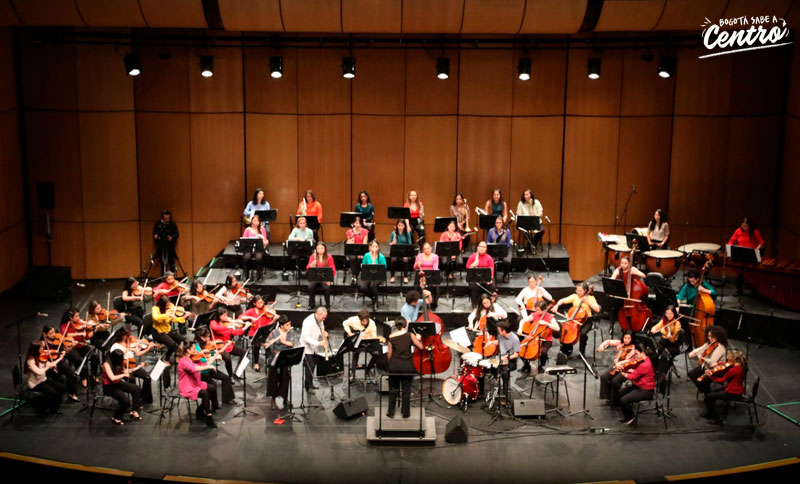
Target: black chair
x,y
168,403
749,401
22,394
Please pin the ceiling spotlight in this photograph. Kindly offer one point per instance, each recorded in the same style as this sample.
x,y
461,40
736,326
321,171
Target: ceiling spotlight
x,y
593,67
276,67
524,68
206,65
348,67
132,65
666,66
443,67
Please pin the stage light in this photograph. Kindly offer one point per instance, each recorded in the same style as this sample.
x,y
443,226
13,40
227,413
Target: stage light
x,y
443,67
348,67
276,67
206,65
666,66
132,65
594,67
524,68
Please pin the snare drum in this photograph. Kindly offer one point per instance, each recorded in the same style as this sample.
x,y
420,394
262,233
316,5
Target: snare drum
x,y
666,262
471,359
490,363
617,251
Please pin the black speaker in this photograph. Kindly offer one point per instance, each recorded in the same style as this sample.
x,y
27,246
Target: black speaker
x,y
46,195
456,431
524,407
351,408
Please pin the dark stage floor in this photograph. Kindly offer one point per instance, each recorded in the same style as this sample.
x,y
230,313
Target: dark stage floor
x,y
322,448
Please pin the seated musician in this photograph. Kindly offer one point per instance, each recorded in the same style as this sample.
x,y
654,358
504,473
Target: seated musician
x,y
311,207
133,349
613,378
709,354
320,258
133,298
43,381
480,259
688,292
374,256
259,316
658,231
581,296
417,221
428,261
169,287
497,206
746,235
116,385
531,294
476,321
727,383
643,382
257,204
402,236
500,235
508,344
538,317
363,323
255,231
207,353
451,235
400,363
300,233
356,235
198,298
223,329
281,338
367,210
70,323
232,295
670,329
97,317
410,310
164,314
529,205
460,210
193,387
63,372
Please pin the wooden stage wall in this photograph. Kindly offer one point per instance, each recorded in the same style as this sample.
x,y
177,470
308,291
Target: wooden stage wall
x,y
705,145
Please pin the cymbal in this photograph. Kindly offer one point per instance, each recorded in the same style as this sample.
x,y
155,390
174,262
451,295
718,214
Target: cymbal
x,y
455,346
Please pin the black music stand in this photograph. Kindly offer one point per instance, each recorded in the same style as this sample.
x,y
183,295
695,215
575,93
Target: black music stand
x,y
664,297
289,358
587,368
424,328
267,216
251,245
615,289
641,241
531,224
373,273
497,251
320,274
448,250
346,218
349,344
745,255
266,330
480,276
395,213
440,223
353,250
486,222
403,251
204,319
299,250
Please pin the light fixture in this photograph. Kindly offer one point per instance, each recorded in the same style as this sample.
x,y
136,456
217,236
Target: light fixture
x,y
132,65
593,67
443,67
666,66
276,67
524,69
348,67
206,65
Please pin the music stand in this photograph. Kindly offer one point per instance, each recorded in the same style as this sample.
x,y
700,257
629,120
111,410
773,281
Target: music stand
x,y
587,368
497,251
615,289
664,297
249,244
744,255
349,344
373,273
440,223
204,319
403,251
531,224
424,328
479,275
448,250
267,216
265,330
320,274
641,240
346,218
289,358
433,277
353,250
298,250
395,213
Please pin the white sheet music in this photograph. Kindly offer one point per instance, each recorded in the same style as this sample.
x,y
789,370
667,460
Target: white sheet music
x,y
460,336
242,366
155,375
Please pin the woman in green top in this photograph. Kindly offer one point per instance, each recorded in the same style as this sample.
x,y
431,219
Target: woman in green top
x,y
400,235
301,233
374,256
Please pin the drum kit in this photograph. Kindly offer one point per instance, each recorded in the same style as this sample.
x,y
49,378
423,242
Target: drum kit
x,y
466,385
665,261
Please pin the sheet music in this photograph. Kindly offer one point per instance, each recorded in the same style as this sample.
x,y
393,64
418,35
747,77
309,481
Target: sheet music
x,y
460,336
158,369
242,366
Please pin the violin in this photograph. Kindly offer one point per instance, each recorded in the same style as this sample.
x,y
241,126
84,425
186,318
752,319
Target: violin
x,y
207,297
46,354
61,342
177,312
576,317
240,290
112,316
632,363
716,370
709,349
142,291
206,353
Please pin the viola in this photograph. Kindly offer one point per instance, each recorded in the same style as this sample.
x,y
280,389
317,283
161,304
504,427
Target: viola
x,y
632,363
716,370
633,315
436,357
576,317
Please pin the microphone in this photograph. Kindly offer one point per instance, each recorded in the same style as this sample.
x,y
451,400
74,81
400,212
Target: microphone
x,y
634,189
41,315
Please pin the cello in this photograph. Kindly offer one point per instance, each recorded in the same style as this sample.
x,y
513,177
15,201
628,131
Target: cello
x,y
576,317
531,302
436,355
531,346
704,309
634,313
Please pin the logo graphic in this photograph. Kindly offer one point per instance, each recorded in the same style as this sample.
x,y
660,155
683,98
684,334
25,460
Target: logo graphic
x,y
761,32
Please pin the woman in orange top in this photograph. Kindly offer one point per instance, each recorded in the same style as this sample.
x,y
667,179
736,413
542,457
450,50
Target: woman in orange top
x,y
310,206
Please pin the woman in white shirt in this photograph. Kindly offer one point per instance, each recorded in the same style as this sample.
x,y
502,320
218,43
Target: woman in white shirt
x,y
534,290
51,390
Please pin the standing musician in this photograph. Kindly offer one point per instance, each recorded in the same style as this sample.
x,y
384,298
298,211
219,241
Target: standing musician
x,y
164,314
500,235
41,379
529,205
508,343
480,259
636,290
320,258
300,233
363,323
658,231
72,326
727,383
374,256
531,294
401,366
356,235
207,353
626,270
117,386
132,349
451,235
169,287
497,206
259,316
281,338
428,261
613,378
258,203
460,210
310,206
134,297
200,300
417,221
410,310
670,330
165,234
400,235
313,337
746,235
255,231
643,382
192,386
689,290
589,306
222,329
538,317
232,295
63,369
367,210
476,320
709,354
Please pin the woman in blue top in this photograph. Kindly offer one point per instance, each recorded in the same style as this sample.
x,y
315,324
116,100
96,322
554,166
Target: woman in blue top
x,y
500,235
367,210
374,256
257,203
400,235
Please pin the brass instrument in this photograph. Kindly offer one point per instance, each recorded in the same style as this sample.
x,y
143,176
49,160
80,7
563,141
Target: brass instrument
x,y
480,211
512,218
305,207
467,230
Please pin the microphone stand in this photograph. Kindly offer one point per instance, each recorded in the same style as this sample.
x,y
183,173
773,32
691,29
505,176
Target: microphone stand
x,y
624,214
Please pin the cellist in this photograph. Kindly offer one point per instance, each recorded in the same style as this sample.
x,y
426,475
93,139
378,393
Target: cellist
x,y
531,294
589,303
539,318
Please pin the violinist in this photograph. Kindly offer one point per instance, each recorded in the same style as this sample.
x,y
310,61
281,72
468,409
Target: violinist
x,y
670,330
169,287
63,369
476,321
223,329
613,378
255,231
117,386
689,290
417,221
727,383
500,235
313,337
450,235
589,306
460,210
402,236
165,234
367,210
200,300
310,206
232,295
320,258
134,298
132,349
374,256
192,386
658,231
164,314
206,353
258,203
643,382
72,326
356,235
259,316
531,294
480,259
709,354
99,318
497,206
363,323
37,368
281,338
400,362
538,317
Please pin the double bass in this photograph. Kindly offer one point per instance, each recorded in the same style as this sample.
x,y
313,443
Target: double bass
x,y
704,309
435,358
634,313
576,317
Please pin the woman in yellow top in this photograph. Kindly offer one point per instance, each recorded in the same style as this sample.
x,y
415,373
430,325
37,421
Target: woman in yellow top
x,y
589,306
164,314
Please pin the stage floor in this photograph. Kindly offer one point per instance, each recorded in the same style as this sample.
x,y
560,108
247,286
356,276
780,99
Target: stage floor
x,y
322,448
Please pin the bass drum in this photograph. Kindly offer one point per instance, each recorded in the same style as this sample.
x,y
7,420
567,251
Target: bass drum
x,y
666,262
466,388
